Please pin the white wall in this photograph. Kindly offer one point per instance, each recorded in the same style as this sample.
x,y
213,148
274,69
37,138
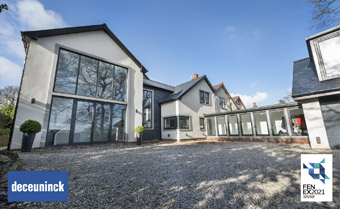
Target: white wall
x,y
39,75
315,124
190,106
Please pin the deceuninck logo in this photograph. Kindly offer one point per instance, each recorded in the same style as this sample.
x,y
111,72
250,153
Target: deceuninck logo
x,y
316,177
37,186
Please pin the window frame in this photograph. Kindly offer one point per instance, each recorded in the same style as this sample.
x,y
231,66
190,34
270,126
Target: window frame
x,y
271,122
84,54
204,97
214,122
179,124
200,118
226,126
265,113
290,121
224,102
165,118
152,109
251,123
238,125
317,56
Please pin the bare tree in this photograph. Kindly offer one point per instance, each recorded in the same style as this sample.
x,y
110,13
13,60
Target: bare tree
x,y
287,98
3,7
326,13
8,95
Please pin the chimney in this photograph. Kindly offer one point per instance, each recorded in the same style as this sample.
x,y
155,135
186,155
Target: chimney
x,y
254,104
194,76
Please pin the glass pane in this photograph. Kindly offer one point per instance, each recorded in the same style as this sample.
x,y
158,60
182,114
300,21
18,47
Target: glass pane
x,y
118,122
278,123
261,123
119,83
104,86
211,127
83,124
330,55
233,125
170,122
222,128
147,109
102,122
87,77
184,122
60,121
246,124
298,122
201,123
67,70
206,97
201,96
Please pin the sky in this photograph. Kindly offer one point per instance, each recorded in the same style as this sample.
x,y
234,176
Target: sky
x,y
248,45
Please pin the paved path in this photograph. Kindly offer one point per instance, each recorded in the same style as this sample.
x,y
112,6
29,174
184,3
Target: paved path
x,y
181,175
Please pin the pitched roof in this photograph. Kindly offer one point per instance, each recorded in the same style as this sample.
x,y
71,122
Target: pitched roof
x,y
306,81
221,85
184,88
159,85
69,30
237,98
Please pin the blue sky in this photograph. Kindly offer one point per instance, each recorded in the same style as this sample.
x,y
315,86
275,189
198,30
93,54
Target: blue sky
x,y
249,45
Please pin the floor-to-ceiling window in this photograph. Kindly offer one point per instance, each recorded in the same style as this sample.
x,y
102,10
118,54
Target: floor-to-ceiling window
x,y
261,125
278,122
211,126
147,108
233,125
221,126
74,120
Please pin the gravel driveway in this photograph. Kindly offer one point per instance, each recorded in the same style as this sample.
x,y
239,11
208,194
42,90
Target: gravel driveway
x,y
181,175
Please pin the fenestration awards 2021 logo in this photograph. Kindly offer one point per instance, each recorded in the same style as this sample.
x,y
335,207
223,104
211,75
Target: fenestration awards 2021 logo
x,y
316,177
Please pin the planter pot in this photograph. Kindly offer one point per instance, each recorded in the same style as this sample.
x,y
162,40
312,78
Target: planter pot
x,y
27,142
139,139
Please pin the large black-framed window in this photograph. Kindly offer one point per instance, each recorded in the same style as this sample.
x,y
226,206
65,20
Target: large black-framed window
x,y
170,122
261,124
78,121
147,108
278,122
184,122
86,76
233,125
222,102
204,97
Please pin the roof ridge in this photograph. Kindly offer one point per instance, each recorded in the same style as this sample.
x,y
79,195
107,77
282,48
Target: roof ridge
x,y
161,83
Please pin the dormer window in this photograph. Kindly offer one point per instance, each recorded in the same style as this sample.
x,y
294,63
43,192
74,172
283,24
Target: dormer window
x,y
326,50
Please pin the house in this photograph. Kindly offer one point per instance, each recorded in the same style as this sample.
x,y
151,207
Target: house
x,y
84,86
316,85
239,103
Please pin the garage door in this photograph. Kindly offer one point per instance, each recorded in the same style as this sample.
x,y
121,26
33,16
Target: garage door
x,y
330,107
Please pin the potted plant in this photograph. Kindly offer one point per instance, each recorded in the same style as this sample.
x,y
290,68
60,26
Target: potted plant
x,y
29,128
139,130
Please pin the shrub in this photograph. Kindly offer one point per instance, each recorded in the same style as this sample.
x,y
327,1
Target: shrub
x,y
139,129
30,126
5,132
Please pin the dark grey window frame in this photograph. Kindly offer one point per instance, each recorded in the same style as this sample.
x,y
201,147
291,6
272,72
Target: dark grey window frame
x,y
77,80
179,124
170,118
224,102
290,122
226,126
251,123
152,109
271,122
238,126
73,119
265,113
204,97
200,118
214,121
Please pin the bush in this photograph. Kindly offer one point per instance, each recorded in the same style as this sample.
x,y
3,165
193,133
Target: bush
x,y
5,132
139,129
30,126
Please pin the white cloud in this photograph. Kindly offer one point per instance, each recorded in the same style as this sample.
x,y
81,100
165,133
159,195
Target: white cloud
x,y
10,72
249,100
23,15
33,15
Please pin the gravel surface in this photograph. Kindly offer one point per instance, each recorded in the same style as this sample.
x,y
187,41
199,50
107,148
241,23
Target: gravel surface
x,y
181,175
